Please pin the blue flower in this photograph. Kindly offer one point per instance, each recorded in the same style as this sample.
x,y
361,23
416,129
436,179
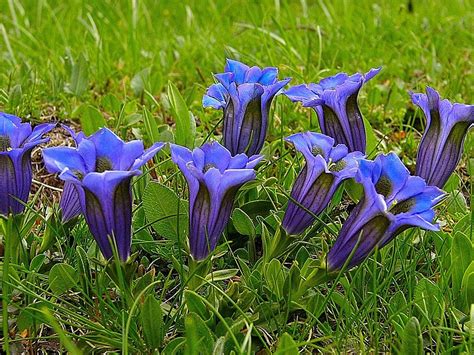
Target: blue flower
x,y
441,147
335,101
213,178
325,169
393,201
245,95
17,140
97,177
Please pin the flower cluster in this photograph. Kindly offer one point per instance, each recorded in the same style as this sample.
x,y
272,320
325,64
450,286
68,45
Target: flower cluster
x,y
17,140
98,171
245,95
393,201
97,175
213,177
325,169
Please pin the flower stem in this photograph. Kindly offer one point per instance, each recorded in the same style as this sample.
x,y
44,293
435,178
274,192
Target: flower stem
x,y
6,225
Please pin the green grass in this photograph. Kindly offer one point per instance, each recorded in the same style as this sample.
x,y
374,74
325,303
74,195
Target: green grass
x,y
77,61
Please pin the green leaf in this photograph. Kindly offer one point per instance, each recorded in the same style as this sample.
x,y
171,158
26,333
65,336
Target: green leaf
x,y
185,123
140,81
461,257
412,342
152,322
199,339
32,315
196,305
175,346
372,141
161,206
37,262
220,275
242,222
151,127
62,278
456,203
79,77
467,286
429,298
91,119
353,189
286,346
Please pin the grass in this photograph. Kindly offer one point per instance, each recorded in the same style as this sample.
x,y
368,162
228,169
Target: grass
x,y
78,62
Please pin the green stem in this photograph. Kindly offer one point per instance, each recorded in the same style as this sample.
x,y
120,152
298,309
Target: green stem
x,y
252,249
6,226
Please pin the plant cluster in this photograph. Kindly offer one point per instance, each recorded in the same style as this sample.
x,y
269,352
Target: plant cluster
x,y
99,182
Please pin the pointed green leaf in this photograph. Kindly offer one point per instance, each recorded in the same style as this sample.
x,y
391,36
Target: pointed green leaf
x,y
286,346
185,123
412,342
162,206
152,322
62,277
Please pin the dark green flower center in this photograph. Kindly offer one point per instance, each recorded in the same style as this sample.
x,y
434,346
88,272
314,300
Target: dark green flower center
x,y
4,143
383,186
208,166
316,150
78,174
102,164
402,207
338,166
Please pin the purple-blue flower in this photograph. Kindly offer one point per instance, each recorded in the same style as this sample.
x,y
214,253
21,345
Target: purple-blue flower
x,y
17,140
335,101
393,201
213,178
325,169
441,146
245,95
97,175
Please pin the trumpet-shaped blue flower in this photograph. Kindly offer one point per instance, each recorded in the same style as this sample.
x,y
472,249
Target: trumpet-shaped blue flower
x,y
446,128
17,140
325,169
245,95
98,174
213,178
335,101
393,201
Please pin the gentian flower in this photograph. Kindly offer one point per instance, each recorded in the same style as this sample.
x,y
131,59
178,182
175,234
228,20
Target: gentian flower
x,y
213,178
335,101
17,140
393,201
441,145
245,95
325,169
98,174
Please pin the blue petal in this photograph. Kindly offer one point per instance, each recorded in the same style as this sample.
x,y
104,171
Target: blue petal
x,y
147,155
215,96
309,143
39,131
108,145
269,76
216,156
300,93
395,173
70,203
253,75
58,159
131,151
238,69
332,82
108,209
371,73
